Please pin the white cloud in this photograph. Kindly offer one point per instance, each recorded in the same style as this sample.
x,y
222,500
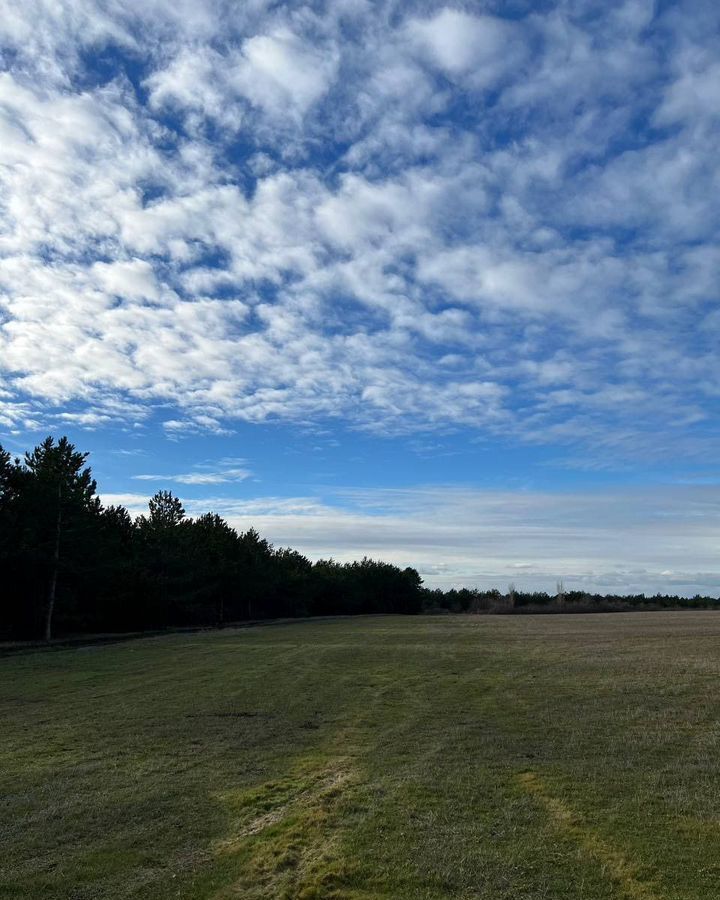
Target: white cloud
x,y
223,477
195,83
483,47
134,279
282,73
694,95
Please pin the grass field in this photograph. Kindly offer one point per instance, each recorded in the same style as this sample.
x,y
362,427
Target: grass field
x,y
489,757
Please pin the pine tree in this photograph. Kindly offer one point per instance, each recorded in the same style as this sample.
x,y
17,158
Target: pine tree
x,y
60,492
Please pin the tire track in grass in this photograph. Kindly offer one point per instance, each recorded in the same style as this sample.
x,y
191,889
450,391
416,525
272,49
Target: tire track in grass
x,y
612,861
280,798
287,834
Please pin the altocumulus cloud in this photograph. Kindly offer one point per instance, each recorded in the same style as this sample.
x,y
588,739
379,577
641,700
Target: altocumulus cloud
x,y
405,216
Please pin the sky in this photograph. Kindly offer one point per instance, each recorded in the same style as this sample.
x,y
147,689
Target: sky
x,y
431,282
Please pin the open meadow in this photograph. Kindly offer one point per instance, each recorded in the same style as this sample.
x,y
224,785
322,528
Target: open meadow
x,y
518,757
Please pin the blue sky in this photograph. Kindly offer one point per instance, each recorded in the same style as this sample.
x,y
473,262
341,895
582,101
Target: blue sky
x,y
436,282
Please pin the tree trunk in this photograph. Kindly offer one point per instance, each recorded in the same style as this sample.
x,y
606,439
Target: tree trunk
x,y
55,567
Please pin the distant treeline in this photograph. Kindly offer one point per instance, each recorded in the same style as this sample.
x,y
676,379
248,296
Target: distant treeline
x,y
468,600
68,564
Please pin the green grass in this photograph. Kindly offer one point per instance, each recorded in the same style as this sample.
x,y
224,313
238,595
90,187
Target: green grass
x,y
492,757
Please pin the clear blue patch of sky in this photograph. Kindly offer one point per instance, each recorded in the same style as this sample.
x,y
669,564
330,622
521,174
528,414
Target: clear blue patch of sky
x,y
293,460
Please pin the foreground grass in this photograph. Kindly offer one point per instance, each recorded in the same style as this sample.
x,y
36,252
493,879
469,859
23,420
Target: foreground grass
x,y
520,757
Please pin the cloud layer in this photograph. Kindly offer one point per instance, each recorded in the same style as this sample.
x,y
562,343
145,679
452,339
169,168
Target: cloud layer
x,y
653,540
403,216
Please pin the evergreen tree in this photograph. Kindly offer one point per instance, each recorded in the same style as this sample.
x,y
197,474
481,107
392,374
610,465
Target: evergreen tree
x,y
161,537
57,491
213,549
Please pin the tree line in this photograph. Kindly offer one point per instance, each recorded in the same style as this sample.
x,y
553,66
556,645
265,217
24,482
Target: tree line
x,y
515,602
71,565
